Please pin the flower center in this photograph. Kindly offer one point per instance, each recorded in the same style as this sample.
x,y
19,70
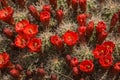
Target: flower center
x,y
35,44
23,41
30,31
88,66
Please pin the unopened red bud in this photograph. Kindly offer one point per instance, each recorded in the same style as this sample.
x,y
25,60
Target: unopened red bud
x,y
8,32
33,12
74,62
14,73
19,67
68,58
75,71
41,72
46,8
54,77
28,73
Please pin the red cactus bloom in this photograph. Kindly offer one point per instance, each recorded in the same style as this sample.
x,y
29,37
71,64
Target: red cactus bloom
x,y
8,32
59,15
33,11
70,38
90,29
35,45
109,45
46,8
74,62
19,27
114,21
83,5
117,67
100,51
82,19
53,3
75,71
86,66
14,72
101,26
4,60
75,4
102,36
21,41
106,61
45,18
4,3
6,15
56,41
21,3
30,30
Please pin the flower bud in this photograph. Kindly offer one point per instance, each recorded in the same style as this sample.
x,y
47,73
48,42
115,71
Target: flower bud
x,y
33,11
53,77
41,72
19,67
14,73
8,32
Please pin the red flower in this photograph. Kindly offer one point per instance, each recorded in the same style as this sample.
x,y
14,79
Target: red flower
x,y
83,5
46,8
59,15
53,3
33,12
90,29
14,72
109,45
74,62
101,26
35,45
21,41
102,36
117,67
6,15
75,70
30,30
45,18
82,19
100,51
106,61
74,4
86,66
70,38
114,21
56,41
4,60
8,32
20,26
